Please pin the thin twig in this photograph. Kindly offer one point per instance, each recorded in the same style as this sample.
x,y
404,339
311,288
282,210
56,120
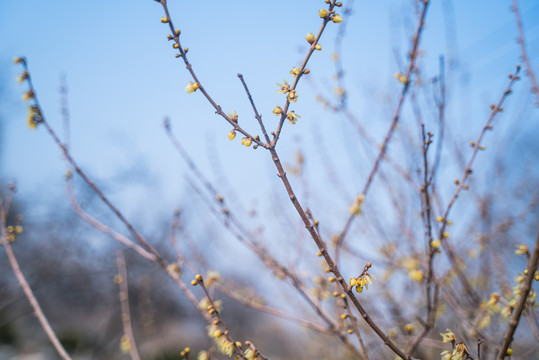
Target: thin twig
x,y
526,288
396,116
462,185
124,305
523,54
27,289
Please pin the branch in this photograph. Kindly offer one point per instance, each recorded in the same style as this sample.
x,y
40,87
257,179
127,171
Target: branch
x,y
513,323
26,288
523,54
124,304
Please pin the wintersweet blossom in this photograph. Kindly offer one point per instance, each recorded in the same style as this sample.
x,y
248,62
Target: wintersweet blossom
x,y
246,141
233,116
293,96
292,117
295,71
278,110
191,87
283,88
362,281
448,336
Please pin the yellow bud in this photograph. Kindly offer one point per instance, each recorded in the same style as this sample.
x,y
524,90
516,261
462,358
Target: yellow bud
x,y
198,277
323,13
409,328
164,20
310,38
336,18
318,47
194,282
436,243
232,134
176,46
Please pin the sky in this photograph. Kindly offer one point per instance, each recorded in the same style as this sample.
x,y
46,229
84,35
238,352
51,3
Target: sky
x,y
123,79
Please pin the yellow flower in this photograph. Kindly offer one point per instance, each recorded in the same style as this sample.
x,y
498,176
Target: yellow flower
x,y
362,281
191,87
439,219
284,88
174,268
227,348
522,249
403,79
336,18
448,336
18,229
310,38
249,354
22,77
355,209
233,116
292,117
436,243
295,71
28,95
278,110
416,275
409,327
203,355
125,345
232,134
293,96
323,13
212,277
339,91
34,117
246,141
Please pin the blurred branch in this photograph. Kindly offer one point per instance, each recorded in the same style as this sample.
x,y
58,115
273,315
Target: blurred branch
x,y
461,185
383,149
522,43
521,305
124,304
38,312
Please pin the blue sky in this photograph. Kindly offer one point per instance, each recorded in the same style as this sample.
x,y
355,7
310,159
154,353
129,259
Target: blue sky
x,y
123,79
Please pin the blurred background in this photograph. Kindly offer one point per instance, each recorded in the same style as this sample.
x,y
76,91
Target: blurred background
x,y
110,65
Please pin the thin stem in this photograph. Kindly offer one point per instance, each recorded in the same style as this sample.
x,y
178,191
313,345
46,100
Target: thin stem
x,y
461,185
27,289
523,53
327,257
396,117
124,305
517,313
